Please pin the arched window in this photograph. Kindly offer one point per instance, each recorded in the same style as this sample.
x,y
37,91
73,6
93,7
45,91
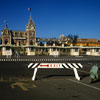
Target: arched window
x,y
31,33
6,41
31,42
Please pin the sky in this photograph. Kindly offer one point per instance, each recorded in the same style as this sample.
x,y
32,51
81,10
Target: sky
x,y
53,17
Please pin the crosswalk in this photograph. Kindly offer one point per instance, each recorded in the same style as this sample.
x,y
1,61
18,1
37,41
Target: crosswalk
x,y
41,60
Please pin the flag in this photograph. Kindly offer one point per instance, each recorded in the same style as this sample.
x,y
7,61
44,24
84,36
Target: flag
x,y
29,9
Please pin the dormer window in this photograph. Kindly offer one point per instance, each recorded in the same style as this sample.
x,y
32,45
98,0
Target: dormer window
x,y
6,32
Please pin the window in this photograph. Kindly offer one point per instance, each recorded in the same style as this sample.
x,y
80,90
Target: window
x,y
31,42
21,34
8,48
76,50
97,50
16,34
6,41
31,33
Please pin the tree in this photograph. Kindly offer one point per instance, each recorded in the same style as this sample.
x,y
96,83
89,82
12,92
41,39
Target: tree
x,y
72,39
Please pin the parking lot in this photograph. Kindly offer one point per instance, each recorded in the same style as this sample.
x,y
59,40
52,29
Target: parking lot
x,y
61,88
56,84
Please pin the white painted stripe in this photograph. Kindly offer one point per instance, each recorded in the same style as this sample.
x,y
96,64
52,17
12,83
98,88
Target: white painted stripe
x,y
70,65
34,65
30,65
65,65
75,65
80,65
84,84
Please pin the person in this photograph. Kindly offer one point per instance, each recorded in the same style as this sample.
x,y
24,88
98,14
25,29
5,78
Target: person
x,y
94,73
17,54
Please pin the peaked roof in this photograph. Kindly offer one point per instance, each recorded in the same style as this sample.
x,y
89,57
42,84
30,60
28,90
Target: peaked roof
x,y
30,23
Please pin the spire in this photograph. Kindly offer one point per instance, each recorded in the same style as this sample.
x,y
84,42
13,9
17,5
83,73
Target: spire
x,y
6,26
30,23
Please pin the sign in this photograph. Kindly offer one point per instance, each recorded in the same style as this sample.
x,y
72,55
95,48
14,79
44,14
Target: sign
x,y
8,52
74,66
46,65
56,53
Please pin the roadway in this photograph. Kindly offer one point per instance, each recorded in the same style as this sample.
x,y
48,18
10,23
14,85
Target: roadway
x,y
16,83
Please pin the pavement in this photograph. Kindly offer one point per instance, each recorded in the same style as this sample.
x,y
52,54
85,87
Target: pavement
x,y
50,84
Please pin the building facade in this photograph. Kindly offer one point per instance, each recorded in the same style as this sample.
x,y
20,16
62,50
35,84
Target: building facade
x,y
18,40
26,43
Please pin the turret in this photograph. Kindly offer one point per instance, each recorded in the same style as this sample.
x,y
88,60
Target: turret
x,y
30,29
30,25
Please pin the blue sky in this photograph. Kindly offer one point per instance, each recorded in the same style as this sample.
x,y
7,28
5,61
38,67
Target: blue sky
x,y
53,17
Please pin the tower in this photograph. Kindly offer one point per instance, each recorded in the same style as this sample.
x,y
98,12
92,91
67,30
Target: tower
x,y
6,41
6,36
30,29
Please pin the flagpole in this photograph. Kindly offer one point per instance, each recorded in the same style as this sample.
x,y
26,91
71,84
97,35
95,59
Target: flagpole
x,y
29,9
30,13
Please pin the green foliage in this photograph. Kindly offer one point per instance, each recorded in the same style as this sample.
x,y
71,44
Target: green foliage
x,y
72,38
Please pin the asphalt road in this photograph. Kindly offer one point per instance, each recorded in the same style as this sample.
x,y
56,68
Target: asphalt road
x,y
50,84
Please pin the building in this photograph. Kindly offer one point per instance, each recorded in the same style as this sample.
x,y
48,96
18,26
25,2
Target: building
x,y
19,41
25,43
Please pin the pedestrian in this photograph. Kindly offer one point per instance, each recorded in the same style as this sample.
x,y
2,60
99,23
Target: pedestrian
x,y
94,73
